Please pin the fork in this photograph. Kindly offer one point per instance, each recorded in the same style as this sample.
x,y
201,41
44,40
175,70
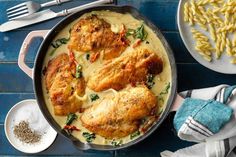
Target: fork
x,y
28,8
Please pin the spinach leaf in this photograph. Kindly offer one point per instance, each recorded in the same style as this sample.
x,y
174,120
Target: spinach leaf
x,y
58,42
94,97
166,90
89,137
130,32
116,143
70,118
138,33
135,134
87,56
150,81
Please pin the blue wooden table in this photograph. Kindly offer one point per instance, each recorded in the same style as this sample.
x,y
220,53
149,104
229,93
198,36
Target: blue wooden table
x,y
16,86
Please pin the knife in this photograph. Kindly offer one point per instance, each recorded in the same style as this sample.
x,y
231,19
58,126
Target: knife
x,y
46,15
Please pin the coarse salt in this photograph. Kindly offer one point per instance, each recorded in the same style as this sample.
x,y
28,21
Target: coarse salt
x,y
33,116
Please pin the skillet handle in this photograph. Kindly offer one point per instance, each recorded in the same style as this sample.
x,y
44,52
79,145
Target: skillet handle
x,y
177,103
24,50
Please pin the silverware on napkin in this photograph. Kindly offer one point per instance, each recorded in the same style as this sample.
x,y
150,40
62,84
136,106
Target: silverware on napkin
x,y
46,15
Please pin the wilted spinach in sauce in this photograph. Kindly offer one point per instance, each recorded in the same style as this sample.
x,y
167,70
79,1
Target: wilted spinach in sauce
x,y
164,92
116,143
150,81
94,97
135,134
70,118
89,137
58,42
138,33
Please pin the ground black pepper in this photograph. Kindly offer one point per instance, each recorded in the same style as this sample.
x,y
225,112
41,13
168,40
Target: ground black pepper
x,y
24,133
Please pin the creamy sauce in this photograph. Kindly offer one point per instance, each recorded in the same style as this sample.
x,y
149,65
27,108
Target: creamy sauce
x,y
116,20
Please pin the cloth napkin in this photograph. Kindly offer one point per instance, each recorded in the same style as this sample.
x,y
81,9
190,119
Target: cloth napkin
x,y
208,117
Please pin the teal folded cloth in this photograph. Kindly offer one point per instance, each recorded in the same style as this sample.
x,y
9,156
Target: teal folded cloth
x,y
209,114
208,117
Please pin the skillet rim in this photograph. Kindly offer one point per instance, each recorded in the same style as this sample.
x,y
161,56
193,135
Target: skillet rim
x,y
38,68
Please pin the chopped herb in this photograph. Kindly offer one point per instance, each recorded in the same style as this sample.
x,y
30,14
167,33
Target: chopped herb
x,y
166,90
150,81
89,137
139,33
116,143
70,118
163,92
147,42
130,32
135,134
78,73
94,97
58,42
87,56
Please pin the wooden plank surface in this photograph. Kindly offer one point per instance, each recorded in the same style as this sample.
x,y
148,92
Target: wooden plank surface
x,y
16,86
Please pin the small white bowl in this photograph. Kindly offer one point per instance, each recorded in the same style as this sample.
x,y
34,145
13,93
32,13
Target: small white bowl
x,y
222,65
47,138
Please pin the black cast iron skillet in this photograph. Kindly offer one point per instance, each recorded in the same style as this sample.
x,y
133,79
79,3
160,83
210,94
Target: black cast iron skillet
x,y
36,74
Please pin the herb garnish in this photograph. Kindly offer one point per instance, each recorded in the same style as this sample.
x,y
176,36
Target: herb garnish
x,y
58,42
89,137
163,92
70,118
138,33
166,90
135,134
116,143
78,73
150,81
87,56
94,97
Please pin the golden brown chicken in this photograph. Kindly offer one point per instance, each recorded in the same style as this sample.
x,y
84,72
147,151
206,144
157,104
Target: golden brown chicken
x,y
93,34
119,115
64,89
130,68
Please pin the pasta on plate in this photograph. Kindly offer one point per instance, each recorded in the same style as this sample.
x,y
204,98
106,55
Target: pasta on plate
x,y
213,25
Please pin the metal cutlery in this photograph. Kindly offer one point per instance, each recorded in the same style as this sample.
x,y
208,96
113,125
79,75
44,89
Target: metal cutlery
x,y
46,15
28,8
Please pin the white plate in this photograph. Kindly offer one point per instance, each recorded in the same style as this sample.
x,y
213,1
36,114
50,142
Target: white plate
x,y
222,65
46,140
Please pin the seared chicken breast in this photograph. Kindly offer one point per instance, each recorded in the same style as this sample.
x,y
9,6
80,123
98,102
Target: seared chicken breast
x,y
119,115
63,88
130,68
94,35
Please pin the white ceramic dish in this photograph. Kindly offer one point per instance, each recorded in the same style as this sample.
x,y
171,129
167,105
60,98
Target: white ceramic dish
x,y
47,138
222,65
